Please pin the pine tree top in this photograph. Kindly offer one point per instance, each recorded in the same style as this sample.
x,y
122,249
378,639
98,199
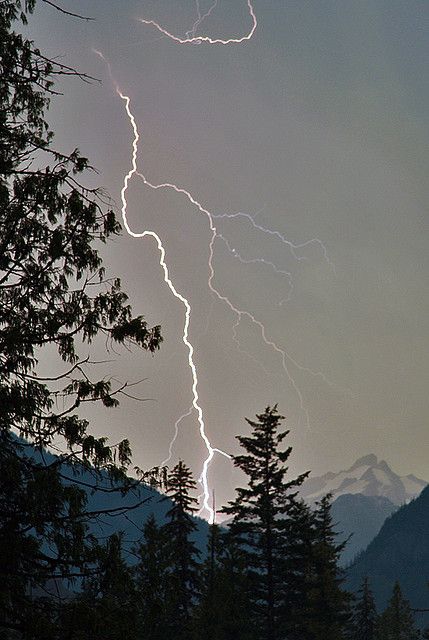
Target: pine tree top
x,y
269,493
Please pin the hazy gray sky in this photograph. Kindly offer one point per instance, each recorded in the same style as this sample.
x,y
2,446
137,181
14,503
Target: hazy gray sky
x,y
318,126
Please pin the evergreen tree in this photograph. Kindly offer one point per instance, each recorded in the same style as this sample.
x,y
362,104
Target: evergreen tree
x,y
397,622
259,518
150,576
329,604
365,614
54,295
183,578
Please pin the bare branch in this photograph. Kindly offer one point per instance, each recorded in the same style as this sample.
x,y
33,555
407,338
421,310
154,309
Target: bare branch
x,y
62,375
68,13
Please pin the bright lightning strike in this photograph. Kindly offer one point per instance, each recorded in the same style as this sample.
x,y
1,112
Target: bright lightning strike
x,y
286,359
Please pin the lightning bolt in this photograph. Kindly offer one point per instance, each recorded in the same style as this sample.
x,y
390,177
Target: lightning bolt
x,y
286,359
240,348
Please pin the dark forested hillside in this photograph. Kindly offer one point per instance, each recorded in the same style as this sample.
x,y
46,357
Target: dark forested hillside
x,y
399,552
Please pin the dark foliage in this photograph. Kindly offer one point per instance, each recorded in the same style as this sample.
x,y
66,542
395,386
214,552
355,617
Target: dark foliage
x,y
105,608
53,294
329,605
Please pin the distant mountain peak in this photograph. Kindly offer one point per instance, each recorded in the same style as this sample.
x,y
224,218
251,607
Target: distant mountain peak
x,y
368,476
369,460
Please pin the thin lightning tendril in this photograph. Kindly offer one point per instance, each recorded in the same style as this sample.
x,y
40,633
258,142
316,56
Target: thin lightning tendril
x,y
200,19
274,267
165,462
292,247
240,348
240,312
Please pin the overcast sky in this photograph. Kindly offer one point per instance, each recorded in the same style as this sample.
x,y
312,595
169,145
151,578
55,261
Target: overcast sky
x,y
318,128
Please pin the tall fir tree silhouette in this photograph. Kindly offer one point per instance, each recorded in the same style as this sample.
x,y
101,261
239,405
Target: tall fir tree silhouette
x,y
298,572
182,553
259,517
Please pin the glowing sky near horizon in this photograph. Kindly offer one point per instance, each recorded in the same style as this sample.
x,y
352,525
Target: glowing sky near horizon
x,y
315,128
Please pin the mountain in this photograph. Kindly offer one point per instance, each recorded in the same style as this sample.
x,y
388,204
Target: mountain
x,y
358,519
399,552
367,476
